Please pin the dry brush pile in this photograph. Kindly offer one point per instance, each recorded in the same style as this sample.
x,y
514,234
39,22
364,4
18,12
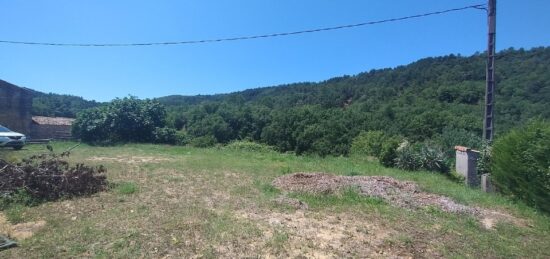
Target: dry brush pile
x,y
49,177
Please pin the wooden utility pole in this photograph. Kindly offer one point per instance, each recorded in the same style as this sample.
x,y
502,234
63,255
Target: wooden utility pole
x,y
488,124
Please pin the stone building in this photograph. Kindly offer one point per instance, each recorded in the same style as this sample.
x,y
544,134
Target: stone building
x,y
16,114
51,127
15,107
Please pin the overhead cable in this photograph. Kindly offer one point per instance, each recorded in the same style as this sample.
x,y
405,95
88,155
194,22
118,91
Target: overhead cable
x,y
478,6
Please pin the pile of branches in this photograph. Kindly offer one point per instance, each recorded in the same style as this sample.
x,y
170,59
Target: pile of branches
x,y
50,177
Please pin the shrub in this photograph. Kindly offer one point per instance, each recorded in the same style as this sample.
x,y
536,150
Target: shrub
x,y
521,164
202,142
368,143
388,152
247,145
484,159
422,156
407,158
432,158
182,138
164,135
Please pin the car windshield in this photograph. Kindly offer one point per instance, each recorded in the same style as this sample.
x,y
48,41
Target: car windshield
x,y
4,129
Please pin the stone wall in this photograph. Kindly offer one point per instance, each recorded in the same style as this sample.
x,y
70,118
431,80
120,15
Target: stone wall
x,y
50,131
15,107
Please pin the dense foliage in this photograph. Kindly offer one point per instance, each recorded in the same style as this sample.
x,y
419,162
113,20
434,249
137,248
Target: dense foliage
x,y
438,99
123,120
423,156
521,164
368,143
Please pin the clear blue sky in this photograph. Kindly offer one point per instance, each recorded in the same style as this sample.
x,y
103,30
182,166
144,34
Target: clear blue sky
x,y
105,73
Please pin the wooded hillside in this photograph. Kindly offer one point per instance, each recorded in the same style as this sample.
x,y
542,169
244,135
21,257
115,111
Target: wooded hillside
x,y
434,98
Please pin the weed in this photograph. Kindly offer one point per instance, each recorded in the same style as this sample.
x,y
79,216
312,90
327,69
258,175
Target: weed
x,y
286,170
267,189
126,188
15,214
278,241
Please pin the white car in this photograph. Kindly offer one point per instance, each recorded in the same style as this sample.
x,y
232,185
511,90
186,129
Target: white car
x,y
12,139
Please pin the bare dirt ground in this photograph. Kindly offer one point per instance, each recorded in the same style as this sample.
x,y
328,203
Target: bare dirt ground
x,y
20,231
402,194
311,235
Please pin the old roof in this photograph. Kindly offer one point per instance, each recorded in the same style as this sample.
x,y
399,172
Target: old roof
x,y
41,120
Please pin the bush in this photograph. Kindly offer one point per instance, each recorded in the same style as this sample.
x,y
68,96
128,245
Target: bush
x,y
407,158
247,145
182,138
421,157
388,152
484,159
432,158
521,164
202,142
164,135
368,143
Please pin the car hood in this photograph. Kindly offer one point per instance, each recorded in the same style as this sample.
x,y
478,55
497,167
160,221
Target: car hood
x,y
11,134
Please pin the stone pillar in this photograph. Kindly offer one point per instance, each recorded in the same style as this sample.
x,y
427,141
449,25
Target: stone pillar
x,y
466,165
486,184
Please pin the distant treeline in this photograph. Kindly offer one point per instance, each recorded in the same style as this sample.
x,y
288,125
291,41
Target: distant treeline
x,y
439,99
59,105
434,99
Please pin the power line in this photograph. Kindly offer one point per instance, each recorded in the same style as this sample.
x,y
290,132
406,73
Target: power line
x,y
477,6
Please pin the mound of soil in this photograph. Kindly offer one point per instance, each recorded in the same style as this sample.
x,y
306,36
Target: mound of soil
x,y
398,193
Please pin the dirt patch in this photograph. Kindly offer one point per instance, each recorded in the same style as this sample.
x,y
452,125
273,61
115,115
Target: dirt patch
x,y
20,231
130,159
311,235
403,194
489,219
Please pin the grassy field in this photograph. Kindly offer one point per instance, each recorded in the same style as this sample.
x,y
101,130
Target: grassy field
x,y
169,201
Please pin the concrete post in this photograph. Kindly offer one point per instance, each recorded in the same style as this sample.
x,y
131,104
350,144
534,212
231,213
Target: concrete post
x,y
486,184
466,165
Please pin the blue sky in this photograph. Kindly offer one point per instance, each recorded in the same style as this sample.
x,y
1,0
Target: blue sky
x,y
105,73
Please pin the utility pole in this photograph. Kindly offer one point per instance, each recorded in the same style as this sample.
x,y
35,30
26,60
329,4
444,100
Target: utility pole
x,y
488,119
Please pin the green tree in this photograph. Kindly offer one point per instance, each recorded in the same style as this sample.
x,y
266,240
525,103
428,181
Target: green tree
x,y
123,120
521,164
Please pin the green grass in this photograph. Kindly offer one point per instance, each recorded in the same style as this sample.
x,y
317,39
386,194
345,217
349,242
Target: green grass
x,y
126,188
186,202
15,214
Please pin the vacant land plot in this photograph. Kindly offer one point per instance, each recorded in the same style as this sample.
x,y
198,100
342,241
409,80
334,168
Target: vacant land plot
x,y
173,202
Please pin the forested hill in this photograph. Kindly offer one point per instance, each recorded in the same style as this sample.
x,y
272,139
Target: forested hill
x,y
59,105
520,73
423,100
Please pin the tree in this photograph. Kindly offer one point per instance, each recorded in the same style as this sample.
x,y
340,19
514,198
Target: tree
x,y
123,120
